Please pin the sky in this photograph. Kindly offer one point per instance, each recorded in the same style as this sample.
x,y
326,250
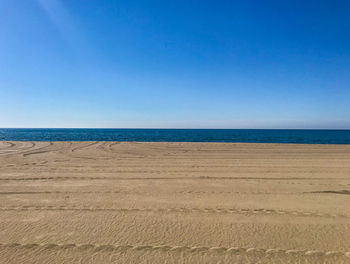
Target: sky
x,y
175,64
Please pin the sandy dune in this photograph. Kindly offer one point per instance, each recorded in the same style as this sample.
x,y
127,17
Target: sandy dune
x,y
111,202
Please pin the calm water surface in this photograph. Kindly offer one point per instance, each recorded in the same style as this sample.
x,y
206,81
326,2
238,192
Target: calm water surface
x,y
180,135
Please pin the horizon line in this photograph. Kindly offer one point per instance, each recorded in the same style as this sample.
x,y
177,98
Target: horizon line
x,y
174,128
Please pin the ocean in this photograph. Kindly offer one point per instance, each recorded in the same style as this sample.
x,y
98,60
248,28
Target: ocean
x,y
180,135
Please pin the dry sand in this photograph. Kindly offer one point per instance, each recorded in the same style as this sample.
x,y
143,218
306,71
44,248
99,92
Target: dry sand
x,y
111,202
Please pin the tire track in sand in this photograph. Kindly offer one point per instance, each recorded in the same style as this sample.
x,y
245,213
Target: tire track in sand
x,y
282,180
343,192
188,249
246,211
13,149
38,150
84,146
142,192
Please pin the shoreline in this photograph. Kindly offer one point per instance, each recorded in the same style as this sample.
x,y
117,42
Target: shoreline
x,y
177,142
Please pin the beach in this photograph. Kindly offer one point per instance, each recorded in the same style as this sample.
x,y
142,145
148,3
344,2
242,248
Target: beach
x,y
148,202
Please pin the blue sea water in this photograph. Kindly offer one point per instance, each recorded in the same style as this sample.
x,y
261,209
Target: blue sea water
x,y
180,135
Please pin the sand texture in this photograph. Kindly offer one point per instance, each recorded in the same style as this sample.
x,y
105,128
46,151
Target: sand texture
x,y
112,202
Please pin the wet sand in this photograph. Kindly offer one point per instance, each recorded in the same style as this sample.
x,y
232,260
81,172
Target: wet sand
x,y
112,202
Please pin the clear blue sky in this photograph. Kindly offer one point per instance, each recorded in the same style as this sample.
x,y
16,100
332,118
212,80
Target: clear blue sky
x,y
188,64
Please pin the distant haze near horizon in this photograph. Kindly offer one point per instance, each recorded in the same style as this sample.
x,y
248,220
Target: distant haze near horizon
x,y
183,128
175,64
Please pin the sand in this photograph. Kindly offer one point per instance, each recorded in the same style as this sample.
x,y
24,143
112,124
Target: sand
x,y
112,202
